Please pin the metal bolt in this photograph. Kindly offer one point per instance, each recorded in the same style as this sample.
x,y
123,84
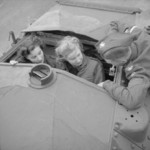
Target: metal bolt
x,y
132,146
117,126
148,137
115,134
114,148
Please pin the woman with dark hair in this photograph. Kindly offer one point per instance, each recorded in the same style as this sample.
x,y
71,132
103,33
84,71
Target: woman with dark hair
x,y
32,52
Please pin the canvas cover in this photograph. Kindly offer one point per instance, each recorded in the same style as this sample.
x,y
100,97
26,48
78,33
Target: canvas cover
x,y
90,22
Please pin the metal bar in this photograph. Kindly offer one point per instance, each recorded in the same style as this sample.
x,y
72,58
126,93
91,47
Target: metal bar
x,y
118,75
105,7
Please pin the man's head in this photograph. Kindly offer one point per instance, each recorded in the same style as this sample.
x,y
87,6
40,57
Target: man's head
x,y
115,48
32,51
70,49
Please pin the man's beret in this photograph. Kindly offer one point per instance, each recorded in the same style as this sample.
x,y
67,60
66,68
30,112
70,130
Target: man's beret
x,y
114,41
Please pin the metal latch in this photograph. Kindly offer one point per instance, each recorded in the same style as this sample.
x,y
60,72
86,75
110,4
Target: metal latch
x,y
112,71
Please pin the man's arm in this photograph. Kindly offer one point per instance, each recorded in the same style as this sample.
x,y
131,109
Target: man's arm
x,y
132,96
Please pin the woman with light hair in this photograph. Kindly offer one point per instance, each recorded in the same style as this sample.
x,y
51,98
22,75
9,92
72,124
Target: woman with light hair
x,y
70,49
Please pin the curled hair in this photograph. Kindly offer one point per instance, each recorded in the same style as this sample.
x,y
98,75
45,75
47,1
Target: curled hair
x,y
66,45
28,46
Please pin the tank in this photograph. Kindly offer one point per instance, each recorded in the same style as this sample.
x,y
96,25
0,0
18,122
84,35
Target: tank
x,y
46,108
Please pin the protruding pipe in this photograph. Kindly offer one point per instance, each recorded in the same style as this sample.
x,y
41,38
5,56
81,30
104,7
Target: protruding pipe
x,y
12,35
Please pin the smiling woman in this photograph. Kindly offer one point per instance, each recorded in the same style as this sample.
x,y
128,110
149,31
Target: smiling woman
x,y
31,51
35,54
70,49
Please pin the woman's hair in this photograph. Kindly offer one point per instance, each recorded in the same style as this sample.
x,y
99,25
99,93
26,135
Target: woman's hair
x,y
28,46
67,45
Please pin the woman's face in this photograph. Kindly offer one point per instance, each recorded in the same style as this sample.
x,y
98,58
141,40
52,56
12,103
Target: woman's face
x,y
75,58
36,55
